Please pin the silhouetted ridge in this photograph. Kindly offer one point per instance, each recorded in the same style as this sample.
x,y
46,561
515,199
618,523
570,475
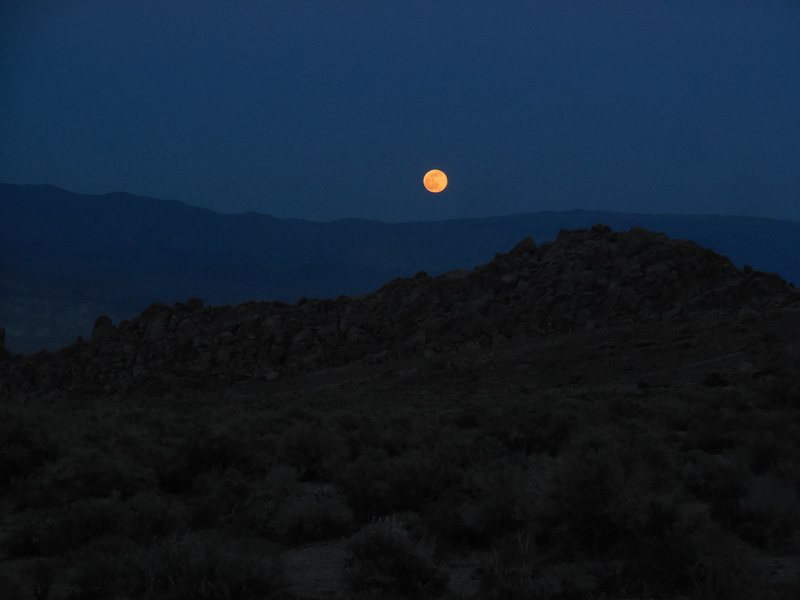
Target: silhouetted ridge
x,y
134,251
585,279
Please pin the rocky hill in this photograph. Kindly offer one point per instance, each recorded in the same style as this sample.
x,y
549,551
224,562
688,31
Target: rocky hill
x,y
586,279
134,251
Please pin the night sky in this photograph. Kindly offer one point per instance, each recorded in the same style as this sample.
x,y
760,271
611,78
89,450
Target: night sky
x,y
336,108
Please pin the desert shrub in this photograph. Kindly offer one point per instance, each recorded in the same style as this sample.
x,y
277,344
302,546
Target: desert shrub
x,y
385,561
784,590
196,566
12,588
663,549
207,450
312,449
174,475
22,540
584,497
151,516
659,545
621,406
377,484
364,483
493,500
508,572
770,512
84,474
258,512
714,436
604,503
361,432
26,444
104,570
83,521
765,453
347,420
482,448
472,417
514,570
320,516
40,575
398,433
726,570
142,518
503,501
720,482
147,447
532,432
208,567
783,391
58,531
412,478
216,497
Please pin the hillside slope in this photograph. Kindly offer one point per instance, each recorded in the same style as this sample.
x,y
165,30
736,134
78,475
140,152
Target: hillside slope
x,y
586,279
64,258
610,415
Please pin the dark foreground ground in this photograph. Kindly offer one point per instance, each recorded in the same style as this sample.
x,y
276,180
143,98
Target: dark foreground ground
x,y
653,461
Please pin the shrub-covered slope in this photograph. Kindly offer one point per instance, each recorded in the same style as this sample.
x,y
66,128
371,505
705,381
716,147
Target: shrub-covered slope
x,y
610,416
586,279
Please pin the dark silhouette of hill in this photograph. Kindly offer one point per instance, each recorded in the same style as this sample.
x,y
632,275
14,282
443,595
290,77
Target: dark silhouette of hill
x,y
611,414
585,280
64,257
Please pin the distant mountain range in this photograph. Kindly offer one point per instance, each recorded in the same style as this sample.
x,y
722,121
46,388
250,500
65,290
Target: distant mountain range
x,y
66,258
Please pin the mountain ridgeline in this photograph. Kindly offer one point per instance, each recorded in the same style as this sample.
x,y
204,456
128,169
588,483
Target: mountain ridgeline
x,y
584,280
65,258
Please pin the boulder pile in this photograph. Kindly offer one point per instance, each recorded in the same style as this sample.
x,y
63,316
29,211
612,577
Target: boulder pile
x,y
585,279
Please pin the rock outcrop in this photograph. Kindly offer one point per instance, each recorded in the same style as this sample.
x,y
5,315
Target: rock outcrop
x,y
585,279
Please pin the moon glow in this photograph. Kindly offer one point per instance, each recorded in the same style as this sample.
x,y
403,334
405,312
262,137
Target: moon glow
x,y
435,181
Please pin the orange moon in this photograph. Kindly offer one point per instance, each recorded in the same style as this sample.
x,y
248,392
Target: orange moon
x,y
435,181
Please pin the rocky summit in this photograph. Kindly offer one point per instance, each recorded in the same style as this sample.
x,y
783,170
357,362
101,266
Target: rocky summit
x,y
584,280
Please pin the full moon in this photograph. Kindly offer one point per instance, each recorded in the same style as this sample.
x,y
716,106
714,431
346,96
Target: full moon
x,y
435,181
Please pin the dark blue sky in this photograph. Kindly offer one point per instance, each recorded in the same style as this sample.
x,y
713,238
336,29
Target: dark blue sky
x,y
335,108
